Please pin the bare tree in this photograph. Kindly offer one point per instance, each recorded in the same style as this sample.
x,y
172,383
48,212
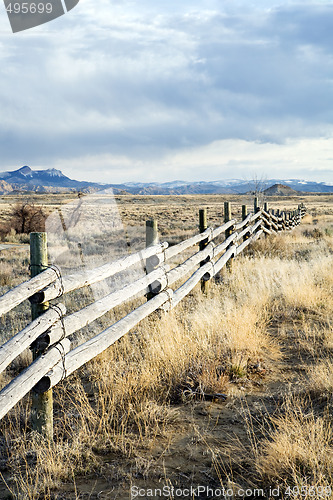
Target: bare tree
x,y
26,217
258,184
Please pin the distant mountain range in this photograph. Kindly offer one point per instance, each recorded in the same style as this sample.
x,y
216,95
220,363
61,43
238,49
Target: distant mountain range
x,y
50,180
54,181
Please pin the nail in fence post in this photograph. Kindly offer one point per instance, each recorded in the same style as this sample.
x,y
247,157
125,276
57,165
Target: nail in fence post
x,y
227,217
151,239
202,227
42,404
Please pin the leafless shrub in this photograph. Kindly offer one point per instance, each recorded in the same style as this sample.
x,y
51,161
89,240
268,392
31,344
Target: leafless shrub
x,y
25,217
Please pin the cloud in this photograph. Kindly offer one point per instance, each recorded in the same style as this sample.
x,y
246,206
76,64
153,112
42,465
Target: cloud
x,y
224,159
139,84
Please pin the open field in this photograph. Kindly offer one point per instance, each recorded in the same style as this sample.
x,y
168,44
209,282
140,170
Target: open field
x,y
177,215
134,417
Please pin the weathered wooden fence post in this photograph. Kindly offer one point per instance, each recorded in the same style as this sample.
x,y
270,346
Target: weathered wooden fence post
x,y
244,215
267,221
227,217
256,204
256,208
151,239
42,404
285,219
151,233
202,227
38,263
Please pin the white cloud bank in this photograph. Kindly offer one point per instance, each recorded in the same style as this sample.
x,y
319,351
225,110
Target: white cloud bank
x,y
152,90
224,159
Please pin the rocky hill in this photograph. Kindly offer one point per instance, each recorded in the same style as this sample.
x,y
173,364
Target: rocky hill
x,y
280,190
5,188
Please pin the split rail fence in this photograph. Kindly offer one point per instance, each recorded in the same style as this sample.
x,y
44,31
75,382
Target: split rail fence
x,y
47,334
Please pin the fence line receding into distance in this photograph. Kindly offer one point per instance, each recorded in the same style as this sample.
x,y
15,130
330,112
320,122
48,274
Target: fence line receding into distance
x,y
47,335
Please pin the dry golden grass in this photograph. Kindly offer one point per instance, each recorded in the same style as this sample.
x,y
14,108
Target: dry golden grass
x,y
321,377
299,450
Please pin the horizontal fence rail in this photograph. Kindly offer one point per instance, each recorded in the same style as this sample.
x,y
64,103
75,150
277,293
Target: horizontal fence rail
x,y
47,335
22,340
22,292
89,277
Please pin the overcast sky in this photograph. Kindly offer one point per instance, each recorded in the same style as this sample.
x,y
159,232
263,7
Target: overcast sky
x,y
158,90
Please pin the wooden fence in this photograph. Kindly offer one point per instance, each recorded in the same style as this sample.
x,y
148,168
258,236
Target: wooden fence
x,y
47,334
